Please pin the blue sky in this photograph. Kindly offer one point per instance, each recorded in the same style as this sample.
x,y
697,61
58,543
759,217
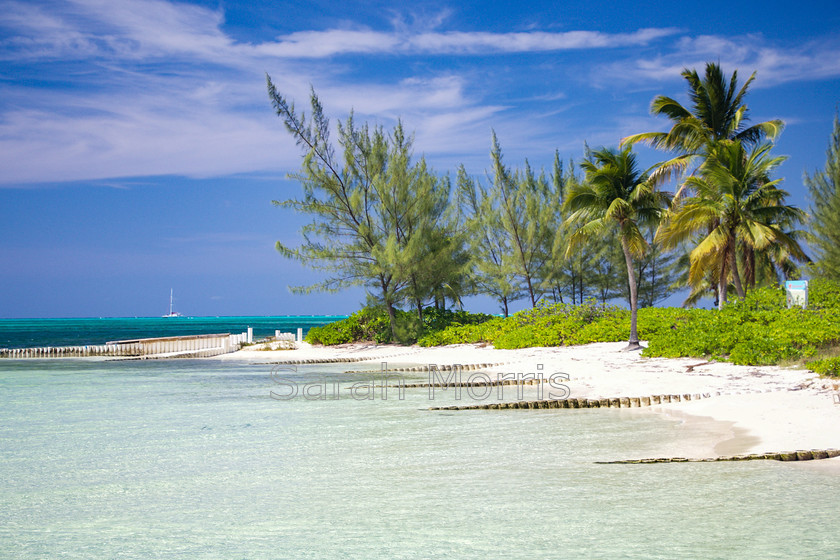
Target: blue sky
x,y
139,153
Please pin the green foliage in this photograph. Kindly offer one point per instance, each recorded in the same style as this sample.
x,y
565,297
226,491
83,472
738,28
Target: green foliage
x,y
545,325
379,217
824,294
826,366
438,319
372,324
756,330
369,323
824,189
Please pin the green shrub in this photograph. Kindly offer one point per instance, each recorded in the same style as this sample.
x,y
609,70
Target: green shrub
x,y
826,366
823,294
544,325
757,330
435,319
370,323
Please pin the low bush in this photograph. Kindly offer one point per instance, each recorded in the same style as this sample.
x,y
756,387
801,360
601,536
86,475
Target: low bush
x,y
756,330
369,323
372,323
545,325
826,366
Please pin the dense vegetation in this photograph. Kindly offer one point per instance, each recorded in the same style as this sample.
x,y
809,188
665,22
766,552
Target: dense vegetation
x,y
570,244
756,330
824,188
372,324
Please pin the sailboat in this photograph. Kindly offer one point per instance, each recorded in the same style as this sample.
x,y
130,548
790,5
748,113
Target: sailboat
x,y
172,312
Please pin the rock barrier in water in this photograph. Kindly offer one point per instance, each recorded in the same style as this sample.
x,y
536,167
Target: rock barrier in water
x,y
614,402
800,455
498,383
426,368
346,360
316,361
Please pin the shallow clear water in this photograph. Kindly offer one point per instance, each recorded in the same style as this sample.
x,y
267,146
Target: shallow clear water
x,y
194,459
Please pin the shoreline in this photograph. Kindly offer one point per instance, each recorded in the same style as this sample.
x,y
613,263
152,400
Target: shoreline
x,y
760,409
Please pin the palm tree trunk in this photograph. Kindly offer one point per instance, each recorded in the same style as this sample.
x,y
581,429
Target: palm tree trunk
x,y
633,343
749,267
736,276
723,282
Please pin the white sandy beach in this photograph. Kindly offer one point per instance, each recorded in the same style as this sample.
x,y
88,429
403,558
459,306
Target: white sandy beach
x,y
759,410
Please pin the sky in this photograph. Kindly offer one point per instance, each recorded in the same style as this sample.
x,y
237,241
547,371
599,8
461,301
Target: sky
x,y
139,152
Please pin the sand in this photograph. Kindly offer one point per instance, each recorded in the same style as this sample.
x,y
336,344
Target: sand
x,y
759,409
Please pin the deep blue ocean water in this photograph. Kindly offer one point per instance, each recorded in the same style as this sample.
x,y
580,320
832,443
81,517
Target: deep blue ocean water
x,y
26,333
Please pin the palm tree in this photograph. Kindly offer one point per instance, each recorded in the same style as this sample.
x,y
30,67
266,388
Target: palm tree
x,y
615,194
736,209
717,112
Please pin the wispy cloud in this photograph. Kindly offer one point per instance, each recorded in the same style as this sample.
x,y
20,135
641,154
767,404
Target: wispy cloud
x,y
319,44
774,65
153,28
98,89
135,29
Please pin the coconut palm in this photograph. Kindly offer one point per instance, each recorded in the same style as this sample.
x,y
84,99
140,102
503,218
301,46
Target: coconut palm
x,y
735,207
717,112
616,194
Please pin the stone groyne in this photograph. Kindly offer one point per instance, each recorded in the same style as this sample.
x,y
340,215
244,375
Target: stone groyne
x,y
800,455
615,402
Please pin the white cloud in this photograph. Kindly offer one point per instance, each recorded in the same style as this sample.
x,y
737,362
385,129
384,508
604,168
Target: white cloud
x,y
152,137
319,44
152,28
150,87
773,65
134,29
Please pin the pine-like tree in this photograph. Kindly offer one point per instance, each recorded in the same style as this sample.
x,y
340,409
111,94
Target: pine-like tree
x,y
526,207
491,265
374,210
824,188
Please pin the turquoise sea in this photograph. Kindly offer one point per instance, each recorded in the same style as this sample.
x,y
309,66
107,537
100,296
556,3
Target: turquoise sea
x,y
195,459
25,333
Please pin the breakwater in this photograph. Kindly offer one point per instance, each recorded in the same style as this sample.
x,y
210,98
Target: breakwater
x,y
195,346
614,402
799,455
